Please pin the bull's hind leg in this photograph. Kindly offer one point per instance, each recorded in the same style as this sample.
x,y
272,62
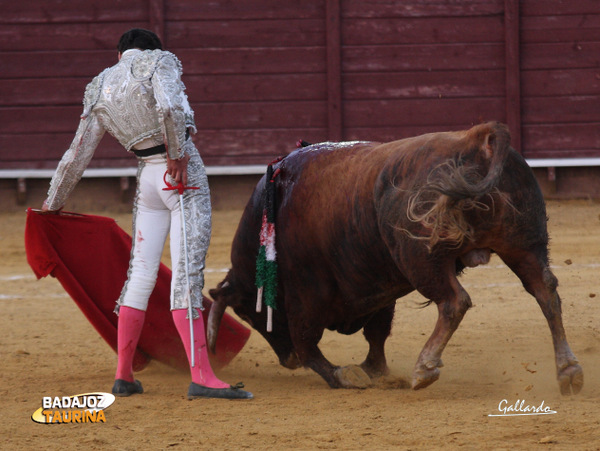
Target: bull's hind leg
x,y
451,311
539,281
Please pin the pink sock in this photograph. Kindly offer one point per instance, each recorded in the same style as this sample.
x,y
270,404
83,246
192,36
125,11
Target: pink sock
x,y
202,372
129,330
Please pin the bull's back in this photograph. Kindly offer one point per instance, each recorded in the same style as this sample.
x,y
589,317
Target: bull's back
x,y
325,196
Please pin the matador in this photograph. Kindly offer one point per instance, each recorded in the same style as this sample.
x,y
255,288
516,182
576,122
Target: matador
x,y
141,101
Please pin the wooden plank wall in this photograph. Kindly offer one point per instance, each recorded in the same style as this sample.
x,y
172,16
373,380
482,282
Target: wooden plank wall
x,y
421,66
49,52
256,74
262,73
560,78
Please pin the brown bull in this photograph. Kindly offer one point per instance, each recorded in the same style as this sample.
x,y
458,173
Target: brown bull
x,y
362,224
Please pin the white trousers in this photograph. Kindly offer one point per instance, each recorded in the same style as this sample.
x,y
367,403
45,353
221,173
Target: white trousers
x,y
156,215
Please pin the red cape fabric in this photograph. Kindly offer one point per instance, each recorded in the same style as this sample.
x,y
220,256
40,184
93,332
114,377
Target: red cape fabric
x,y
89,255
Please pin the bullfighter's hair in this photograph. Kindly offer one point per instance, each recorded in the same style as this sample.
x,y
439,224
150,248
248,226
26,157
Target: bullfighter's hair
x,y
139,38
452,189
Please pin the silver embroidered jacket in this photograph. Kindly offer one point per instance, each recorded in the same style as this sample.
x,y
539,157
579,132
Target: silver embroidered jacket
x,y
140,101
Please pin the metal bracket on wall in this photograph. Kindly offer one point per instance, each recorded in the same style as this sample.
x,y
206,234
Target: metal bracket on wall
x,y
124,183
21,191
552,179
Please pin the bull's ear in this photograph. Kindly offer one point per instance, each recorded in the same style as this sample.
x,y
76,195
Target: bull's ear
x,y
222,290
489,145
496,139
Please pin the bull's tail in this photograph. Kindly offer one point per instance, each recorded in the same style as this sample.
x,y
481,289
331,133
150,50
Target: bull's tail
x,y
457,186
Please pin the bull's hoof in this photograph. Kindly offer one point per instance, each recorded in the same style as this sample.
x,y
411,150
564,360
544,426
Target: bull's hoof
x,y
570,380
291,362
352,376
426,374
425,380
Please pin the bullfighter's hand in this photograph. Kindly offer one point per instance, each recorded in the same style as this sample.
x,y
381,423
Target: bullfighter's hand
x,y
177,169
46,209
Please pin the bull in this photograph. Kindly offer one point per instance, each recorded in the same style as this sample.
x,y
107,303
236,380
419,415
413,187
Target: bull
x,y
361,224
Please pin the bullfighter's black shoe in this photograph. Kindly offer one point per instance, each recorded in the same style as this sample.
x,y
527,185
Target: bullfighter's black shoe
x,y
124,388
232,392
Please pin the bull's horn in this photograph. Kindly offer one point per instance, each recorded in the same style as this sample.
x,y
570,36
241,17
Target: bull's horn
x,y
214,321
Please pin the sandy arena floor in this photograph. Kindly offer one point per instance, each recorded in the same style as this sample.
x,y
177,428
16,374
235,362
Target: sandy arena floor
x,y
502,351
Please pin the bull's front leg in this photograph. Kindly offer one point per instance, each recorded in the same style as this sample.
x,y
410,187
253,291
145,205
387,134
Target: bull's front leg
x,y
306,340
376,332
450,314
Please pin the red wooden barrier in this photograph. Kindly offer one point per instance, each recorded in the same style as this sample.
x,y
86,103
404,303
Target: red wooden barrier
x,y
262,73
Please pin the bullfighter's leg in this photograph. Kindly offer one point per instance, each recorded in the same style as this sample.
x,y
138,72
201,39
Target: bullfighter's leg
x,y
451,311
539,281
376,332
